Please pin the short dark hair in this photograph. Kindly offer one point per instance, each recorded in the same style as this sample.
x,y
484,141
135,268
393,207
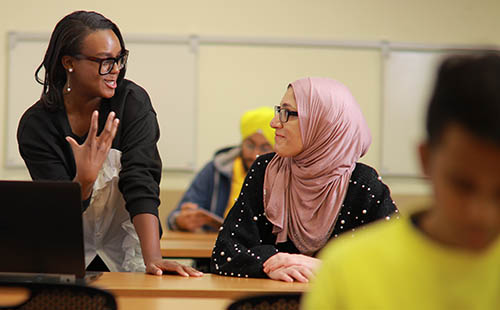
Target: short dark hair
x,y
467,93
66,39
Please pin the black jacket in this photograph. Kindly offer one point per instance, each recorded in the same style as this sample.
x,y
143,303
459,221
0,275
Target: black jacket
x,y
48,156
246,240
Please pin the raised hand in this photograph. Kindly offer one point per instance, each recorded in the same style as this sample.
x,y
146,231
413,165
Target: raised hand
x,y
90,156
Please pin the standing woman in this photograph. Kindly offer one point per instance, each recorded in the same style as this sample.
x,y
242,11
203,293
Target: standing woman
x,y
310,191
96,128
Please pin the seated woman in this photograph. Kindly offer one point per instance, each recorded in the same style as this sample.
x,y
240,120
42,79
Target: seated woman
x,y
310,191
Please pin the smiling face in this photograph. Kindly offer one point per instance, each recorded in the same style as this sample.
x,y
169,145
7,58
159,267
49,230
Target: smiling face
x,y
465,173
287,136
85,79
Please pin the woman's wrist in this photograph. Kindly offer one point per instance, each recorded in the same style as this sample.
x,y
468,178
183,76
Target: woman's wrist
x,y
146,226
151,258
86,187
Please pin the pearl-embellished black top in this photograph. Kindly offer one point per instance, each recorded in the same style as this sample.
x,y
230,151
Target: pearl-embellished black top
x,y
246,240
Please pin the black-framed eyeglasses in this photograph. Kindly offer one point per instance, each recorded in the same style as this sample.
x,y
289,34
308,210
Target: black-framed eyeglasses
x,y
284,113
106,64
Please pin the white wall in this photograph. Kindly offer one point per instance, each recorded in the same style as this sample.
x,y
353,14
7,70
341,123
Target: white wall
x,y
223,85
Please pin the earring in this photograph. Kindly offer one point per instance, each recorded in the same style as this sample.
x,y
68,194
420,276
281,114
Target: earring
x,y
68,87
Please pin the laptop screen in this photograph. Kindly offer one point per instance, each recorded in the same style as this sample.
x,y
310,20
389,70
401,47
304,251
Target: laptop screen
x,y
41,228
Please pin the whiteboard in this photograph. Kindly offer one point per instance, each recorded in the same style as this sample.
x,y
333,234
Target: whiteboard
x,y
408,80
166,68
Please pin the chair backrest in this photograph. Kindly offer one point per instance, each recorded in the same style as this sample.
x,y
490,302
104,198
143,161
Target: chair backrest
x,y
288,301
61,297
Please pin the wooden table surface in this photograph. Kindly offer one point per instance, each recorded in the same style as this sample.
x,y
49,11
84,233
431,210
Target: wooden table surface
x,y
10,297
166,303
183,235
143,291
210,292
186,248
208,286
175,244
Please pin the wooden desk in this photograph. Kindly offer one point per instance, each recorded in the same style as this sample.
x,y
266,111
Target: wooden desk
x,y
175,244
123,284
182,235
10,296
165,303
15,296
186,248
142,291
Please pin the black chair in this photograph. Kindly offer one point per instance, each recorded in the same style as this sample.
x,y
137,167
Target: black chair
x,y
51,296
288,301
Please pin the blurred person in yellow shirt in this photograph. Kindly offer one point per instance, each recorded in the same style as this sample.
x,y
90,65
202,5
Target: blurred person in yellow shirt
x,y
447,256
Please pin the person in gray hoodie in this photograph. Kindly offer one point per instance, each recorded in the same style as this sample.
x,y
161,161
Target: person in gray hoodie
x,y
215,188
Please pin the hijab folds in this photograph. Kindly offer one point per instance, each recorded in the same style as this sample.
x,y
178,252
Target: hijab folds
x,y
303,194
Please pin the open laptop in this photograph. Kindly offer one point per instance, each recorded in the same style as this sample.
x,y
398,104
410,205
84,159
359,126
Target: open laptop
x,y
41,234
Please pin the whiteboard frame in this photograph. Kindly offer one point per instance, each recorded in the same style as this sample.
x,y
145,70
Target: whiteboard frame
x,y
387,48
195,41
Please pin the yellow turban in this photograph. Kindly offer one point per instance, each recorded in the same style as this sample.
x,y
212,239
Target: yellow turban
x,y
258,120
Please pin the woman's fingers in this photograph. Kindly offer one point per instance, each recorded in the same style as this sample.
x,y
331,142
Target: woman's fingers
x,y
193,272
158,267
105,139
109,120
291,274
285,277
109,124
114,128
153,269
180,270
282,275
94,125
72,142
306,272
296,273
289,267
282,260
276,261
187,271
108,134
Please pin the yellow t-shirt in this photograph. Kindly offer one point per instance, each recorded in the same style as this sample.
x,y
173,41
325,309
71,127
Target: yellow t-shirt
x,y
237,180
395,266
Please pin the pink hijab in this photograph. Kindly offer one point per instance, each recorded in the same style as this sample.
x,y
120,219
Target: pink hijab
x,y
303,194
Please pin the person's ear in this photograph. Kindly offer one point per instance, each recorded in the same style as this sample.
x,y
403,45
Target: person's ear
x,y
424,151
67,62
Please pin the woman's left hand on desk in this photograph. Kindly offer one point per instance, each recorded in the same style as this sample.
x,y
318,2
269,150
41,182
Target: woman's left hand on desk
x,y
159,266
291,273
282,259
291,267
